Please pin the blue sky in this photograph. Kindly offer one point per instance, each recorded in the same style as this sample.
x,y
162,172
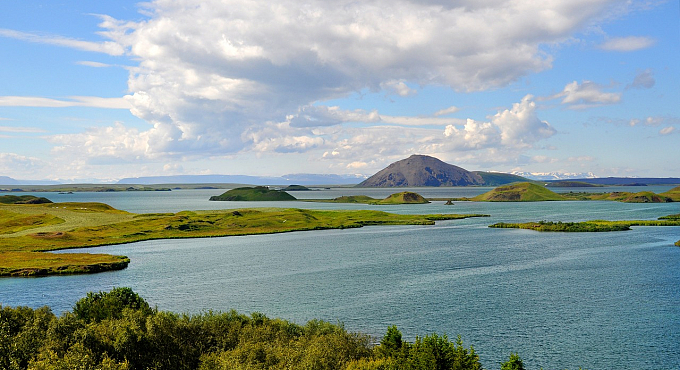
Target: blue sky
x,y
112,89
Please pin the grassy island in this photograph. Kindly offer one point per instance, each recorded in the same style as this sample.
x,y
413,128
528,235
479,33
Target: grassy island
x,y
253,194
531,192
405,197
519,192
589,226
29,230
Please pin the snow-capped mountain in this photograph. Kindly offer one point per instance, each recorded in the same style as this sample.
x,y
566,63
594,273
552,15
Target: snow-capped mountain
x,y
555,175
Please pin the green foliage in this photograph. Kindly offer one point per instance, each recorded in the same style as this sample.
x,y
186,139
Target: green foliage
x,y
103,305
405,197
513,363
116,330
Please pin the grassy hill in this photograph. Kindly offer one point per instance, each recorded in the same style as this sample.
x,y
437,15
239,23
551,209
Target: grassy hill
x,y
520,192
498,178
258,193
405,197
673,194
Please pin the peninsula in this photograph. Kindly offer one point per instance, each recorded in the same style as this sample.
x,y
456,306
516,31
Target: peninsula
x,y
27,231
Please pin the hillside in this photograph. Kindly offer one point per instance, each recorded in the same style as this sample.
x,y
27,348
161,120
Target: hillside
x,y
405,197
521,192
498,178
673,194
258,193
422,170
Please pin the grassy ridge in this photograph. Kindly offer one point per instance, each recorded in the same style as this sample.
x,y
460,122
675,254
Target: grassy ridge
x,y
96,224
588,226
520,192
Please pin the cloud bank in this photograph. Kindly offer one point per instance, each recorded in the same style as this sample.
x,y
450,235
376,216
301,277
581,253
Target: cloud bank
x,y
215,77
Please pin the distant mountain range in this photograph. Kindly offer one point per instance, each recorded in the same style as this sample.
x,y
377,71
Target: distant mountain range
x,y
554,175
297,179
4,180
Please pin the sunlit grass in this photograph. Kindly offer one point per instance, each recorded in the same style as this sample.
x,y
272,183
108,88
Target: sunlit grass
x,y
96,224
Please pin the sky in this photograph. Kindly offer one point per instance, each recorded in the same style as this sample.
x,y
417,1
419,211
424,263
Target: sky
x,y
104,90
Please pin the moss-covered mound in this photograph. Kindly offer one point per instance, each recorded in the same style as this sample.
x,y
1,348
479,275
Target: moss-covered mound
x,y
23,199
520,192
354,199
673,194
258,193
405,197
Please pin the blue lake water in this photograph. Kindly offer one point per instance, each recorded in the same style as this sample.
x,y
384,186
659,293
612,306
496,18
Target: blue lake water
x,y
562,300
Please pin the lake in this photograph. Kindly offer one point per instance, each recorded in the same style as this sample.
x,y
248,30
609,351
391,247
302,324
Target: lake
x,y
561,300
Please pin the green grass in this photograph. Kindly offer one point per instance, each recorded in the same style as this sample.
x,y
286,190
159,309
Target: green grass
x,y
405,197
586,226
96,224
673,194
519,192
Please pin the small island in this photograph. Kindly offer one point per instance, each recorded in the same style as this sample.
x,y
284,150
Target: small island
x,y
253,194
405,197
531,192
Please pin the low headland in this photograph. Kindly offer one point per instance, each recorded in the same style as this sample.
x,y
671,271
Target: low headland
x,y
27,231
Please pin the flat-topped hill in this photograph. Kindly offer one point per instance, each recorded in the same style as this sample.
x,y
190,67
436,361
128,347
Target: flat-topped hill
x,y
520,192
258,193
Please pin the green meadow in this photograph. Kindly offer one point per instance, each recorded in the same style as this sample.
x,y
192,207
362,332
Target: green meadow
x,y
29,230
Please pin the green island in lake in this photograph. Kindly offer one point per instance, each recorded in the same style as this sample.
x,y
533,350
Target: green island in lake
x,y
531,192
27,231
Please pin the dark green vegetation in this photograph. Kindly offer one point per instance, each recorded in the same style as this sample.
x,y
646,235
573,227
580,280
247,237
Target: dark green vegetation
x,y
589,226
117,330
26,231
519,192
258,193
498,179
23,199
296,188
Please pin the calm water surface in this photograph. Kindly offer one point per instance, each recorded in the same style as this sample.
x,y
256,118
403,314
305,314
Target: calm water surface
x,y
596,300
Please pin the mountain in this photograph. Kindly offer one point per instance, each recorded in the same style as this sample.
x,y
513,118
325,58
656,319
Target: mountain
x,y
5,180
422,170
